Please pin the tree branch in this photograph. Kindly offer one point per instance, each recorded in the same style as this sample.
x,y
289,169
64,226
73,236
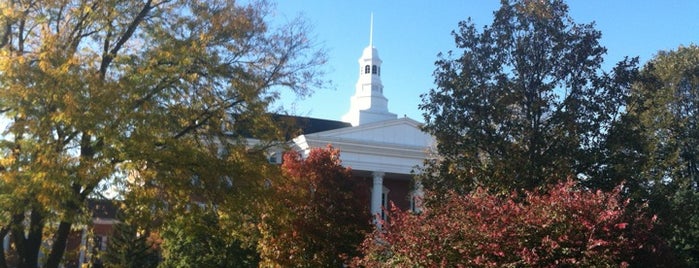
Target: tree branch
x,y
107,59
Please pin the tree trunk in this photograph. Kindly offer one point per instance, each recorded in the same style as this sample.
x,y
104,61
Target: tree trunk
x,y
28,247
59,245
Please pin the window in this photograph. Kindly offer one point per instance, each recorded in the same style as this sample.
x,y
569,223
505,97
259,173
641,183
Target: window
x,y
366,69
384,203
100,243
415,202
374,69
273,158
379,71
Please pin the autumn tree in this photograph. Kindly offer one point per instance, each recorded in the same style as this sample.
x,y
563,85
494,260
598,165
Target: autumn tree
x,y
328,213
153,95
522,101
563,226
656,145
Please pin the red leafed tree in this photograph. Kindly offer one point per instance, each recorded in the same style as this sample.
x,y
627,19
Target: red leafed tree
x,y
564,226
325,214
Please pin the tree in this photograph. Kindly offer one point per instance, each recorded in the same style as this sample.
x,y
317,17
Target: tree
x,y
564,226
193,240
525,96
328,213
129,247
151,94
656,145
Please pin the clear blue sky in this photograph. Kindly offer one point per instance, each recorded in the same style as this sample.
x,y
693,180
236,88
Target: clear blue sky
x,y
410,33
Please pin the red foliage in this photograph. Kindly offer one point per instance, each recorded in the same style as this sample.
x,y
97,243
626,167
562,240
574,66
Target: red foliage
x,y
328,215
565,226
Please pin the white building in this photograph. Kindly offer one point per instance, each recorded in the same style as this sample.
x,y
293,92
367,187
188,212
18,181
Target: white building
x,y
377,146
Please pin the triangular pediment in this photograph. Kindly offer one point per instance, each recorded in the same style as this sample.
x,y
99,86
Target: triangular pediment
x,y
396,146
402,131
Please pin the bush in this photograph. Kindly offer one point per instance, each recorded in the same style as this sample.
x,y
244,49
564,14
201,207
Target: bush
x,y
563,226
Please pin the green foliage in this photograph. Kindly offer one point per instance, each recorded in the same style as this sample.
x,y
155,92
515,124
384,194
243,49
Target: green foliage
x,y
327,214
523,101
656,146
682,224
196,239
564,226
146,95
129,247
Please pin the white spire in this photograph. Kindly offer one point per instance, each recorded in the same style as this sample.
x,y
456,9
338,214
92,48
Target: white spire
x,y
371,31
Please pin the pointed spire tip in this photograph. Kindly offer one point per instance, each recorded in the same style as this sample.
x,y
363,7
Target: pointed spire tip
x,y
371,31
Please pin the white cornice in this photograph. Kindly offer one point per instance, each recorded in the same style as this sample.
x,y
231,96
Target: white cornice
x,y
368,147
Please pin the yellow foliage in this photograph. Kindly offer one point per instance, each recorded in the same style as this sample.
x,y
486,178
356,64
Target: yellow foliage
x,y
84,108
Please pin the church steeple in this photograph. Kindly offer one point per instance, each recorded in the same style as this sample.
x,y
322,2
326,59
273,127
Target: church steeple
x,y
368,103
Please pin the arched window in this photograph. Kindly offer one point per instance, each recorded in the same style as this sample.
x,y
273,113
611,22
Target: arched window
x,y
373,69
366,69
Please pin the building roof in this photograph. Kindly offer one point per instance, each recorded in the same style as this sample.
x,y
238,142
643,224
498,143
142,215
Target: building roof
x,y
308,125
289,125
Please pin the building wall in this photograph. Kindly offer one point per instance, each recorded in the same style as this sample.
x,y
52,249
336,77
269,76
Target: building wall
x,y
399,192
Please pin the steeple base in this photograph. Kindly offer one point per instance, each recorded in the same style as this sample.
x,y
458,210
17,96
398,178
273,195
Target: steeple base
x,y
361,117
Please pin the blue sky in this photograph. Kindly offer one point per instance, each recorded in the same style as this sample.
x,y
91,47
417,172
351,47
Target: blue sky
x,y
410,33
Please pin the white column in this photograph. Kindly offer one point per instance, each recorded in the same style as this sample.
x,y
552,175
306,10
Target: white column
x,y
6,243
83,247
376,192
418,195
